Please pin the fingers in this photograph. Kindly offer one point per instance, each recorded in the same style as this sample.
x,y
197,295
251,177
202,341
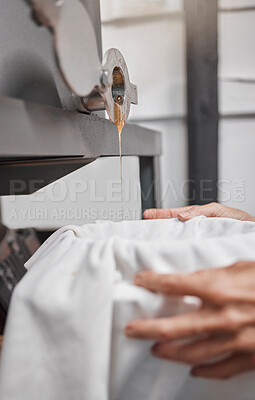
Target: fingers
x,y
197,352
195,284
189,212
186,213
217,286
181,326
245,339
208,210
166,213
228,368
204,350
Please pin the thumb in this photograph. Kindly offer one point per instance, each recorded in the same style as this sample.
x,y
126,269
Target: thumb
x,y
208,210
191,213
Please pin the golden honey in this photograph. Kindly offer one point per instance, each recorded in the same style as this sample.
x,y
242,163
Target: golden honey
x,y
119,122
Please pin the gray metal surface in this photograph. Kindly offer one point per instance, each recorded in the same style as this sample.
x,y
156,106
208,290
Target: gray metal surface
x,y
28,68
93,9
43,142
42,136
74,41
100,87
25,177
30,130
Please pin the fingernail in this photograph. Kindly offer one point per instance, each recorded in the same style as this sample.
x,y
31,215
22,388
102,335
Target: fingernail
x,y
129,331
184,214
138,280
156,350
146,214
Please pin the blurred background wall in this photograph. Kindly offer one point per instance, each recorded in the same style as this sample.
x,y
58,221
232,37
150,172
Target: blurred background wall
x,y
151,35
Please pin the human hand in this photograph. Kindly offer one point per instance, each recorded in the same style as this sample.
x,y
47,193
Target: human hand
x,y
189,212
223,327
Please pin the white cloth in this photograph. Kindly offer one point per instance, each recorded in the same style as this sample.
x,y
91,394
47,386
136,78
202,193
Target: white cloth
x,y
64,336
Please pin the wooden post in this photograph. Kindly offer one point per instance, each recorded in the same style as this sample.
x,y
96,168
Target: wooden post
x,y
202,85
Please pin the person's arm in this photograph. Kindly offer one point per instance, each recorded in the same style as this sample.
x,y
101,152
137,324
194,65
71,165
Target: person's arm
x,y
189,212
223,327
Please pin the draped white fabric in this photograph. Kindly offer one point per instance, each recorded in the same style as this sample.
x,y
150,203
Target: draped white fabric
x,y
64,337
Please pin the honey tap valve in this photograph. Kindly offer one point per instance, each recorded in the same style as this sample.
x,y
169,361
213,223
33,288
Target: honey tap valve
x,y
115,88
95,86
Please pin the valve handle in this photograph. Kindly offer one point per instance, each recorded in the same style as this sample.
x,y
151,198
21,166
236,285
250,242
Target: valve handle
x,y
99,86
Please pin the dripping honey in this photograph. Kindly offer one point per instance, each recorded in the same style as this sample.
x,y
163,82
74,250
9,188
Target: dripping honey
x,y
118,95
119,122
